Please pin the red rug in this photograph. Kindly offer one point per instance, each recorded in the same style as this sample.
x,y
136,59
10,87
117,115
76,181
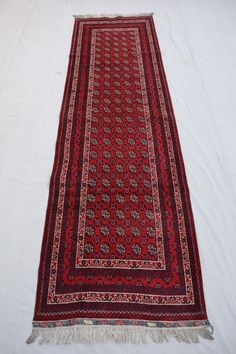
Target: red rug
x,y
119,256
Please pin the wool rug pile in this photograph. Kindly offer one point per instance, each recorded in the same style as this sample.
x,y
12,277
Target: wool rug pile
x,y
119,257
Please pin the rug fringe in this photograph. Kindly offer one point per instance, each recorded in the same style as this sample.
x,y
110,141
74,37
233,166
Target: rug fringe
x,y
113,15
121,334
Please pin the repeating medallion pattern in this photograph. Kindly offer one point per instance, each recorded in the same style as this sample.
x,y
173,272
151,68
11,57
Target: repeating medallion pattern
x,y
123,203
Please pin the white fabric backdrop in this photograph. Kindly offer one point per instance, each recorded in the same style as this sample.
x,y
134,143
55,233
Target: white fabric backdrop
x,y
197,40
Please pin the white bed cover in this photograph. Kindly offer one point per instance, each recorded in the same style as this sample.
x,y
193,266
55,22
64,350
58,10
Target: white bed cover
x,y
197,40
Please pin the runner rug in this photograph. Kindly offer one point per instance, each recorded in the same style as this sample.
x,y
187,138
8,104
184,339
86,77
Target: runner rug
x,y
119,257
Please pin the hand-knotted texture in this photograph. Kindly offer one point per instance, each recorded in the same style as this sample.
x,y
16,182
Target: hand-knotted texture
x,y
119,257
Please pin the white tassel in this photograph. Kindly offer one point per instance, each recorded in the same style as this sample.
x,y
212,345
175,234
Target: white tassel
x,y
113,15
120,334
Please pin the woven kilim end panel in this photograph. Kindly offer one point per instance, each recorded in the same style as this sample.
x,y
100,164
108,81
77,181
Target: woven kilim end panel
x,y
119,257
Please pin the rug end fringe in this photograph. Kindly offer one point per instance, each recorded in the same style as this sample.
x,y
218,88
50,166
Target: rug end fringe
x,y
120,334
114,15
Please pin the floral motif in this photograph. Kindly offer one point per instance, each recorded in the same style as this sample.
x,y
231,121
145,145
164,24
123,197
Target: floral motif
x,y
119,154
120,231
106,154
93,154
88,247
120,198
144,154
146,168
147,183
132,168
89,230
119,141
118,119
133,198
119,130
105,248
135,214
132,154
149,214
152,249
105,213
92,182
120,183
91,197
136,248
131,141
106,141
120,248
105,230
92,168
90,213
141,119
105,198
143,141
120,214
106,168
94,130
151,231
148,198
119,168
105,183
133,183
135,231
107,130
94,119
143,130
